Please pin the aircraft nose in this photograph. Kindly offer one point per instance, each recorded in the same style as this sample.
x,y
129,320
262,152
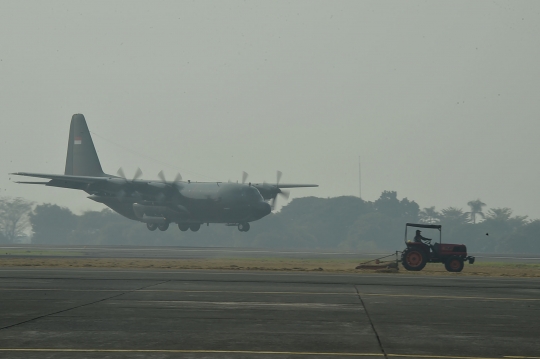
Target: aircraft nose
x,y
264,208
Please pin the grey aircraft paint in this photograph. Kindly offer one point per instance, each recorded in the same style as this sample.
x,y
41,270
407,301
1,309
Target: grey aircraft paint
x,y
82,158
159,203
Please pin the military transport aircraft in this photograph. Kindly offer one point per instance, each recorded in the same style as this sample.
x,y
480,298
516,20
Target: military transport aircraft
x,y
159,203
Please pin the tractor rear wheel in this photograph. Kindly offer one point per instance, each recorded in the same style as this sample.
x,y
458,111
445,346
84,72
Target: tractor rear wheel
x,y
413,259
454,264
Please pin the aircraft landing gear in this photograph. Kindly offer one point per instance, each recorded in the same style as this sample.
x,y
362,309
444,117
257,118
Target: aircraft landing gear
x,y
195,227
164,226
183,227
243,227
151,226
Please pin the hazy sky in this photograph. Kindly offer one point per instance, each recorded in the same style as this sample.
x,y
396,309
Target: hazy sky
x,y
440,99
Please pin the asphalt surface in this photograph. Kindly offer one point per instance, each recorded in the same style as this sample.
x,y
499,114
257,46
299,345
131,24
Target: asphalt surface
x,y
89,313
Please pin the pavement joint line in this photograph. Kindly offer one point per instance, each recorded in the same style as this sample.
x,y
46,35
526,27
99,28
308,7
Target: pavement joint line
x,y
254,352
371,322
78,306
275,292
262,304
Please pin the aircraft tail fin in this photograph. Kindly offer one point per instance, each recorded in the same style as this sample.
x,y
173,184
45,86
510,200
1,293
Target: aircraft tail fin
x,y
82,158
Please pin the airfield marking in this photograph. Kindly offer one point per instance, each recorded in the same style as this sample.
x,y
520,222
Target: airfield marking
x,y
280,292
172,291
190,351
261,352
448,297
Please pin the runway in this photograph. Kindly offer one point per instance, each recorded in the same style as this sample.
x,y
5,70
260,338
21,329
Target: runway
x,y
89,313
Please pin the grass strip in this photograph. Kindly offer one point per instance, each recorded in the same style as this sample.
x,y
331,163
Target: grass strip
x,y
268,264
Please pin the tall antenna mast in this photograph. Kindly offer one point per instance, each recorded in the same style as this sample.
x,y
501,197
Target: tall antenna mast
x,y
359,178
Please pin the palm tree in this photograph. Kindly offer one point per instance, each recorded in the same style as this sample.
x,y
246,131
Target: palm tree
x,y
476,209
499,214
429,215
453,216
501,220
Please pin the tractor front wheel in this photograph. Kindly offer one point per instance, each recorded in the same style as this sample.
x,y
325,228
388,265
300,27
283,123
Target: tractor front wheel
x,y
454,264
413,259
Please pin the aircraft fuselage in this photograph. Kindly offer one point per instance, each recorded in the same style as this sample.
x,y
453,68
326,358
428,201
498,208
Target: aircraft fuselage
x,y
158,203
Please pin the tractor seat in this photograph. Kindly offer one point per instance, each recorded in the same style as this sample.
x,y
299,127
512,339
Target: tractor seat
x,y
435,248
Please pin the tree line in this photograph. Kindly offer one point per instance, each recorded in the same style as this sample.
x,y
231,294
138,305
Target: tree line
x,y
341,223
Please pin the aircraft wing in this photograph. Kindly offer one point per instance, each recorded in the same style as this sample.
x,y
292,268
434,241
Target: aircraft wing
x,y
106,184
295,185
270,191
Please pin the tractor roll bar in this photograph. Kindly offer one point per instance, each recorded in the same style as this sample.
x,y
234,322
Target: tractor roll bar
x,y
436,226
418,225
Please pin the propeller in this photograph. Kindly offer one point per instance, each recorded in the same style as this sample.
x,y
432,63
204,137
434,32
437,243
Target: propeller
x,y
161,176
177,179
122,193
121,173
282,193
138,173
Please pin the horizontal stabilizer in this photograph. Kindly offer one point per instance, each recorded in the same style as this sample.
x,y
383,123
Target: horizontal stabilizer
x,y
31,182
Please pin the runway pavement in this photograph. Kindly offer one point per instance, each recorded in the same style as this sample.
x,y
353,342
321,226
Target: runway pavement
x,y
88,313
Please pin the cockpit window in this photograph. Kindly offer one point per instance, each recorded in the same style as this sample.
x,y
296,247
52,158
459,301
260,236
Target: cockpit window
x,y
251,193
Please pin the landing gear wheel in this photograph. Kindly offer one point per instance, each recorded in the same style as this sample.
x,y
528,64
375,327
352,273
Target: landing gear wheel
x,y
183,227
195,227
243,227
413,259
151,226
454,264
164,226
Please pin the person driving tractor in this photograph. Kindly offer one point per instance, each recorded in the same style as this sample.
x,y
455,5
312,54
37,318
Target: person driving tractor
x,y
419,237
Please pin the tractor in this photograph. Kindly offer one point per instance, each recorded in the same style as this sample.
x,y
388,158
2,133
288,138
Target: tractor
x,y
421,251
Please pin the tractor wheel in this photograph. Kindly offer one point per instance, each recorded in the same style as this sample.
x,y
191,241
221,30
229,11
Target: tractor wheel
x,y
454,264
413,259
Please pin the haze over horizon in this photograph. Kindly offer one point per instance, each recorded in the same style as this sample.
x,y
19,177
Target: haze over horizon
x,y
440,99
